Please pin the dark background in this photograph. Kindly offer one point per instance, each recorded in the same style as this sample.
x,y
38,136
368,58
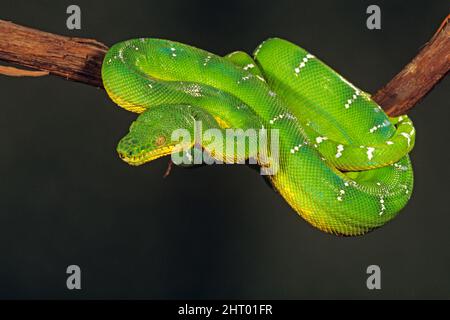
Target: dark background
x,y
213,232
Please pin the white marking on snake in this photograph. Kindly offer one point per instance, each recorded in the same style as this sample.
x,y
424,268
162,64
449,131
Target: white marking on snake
x,y
194,90
406,188
408,137
348,83
385,123
370,151
288,116
296,148
259,48
383,207
260,78
121,55
321,139
399,167
208,57
353,98
303,63
340,148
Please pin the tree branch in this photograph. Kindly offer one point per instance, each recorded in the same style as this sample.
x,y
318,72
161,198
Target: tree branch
x,y
419,76
75,59
15,72
80,59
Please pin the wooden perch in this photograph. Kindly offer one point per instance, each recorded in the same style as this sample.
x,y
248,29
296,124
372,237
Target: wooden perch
x,y
15,72
80,59
419,76
75,59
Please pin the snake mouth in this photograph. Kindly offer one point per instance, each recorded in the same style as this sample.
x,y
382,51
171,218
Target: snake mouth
x,y
144,156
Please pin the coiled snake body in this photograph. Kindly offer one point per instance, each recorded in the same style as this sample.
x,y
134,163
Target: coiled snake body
x,y
343,163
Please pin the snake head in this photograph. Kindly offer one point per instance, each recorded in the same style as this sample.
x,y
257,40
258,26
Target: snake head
x,y
150,136
146,141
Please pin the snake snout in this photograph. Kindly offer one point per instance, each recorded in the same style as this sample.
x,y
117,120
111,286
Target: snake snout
x,y
127,147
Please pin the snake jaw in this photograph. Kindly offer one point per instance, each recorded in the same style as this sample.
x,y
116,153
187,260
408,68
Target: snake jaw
x,y
135,155
144,156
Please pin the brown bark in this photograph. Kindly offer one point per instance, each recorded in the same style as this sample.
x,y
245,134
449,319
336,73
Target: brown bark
x,y
80,59
75,59
15,72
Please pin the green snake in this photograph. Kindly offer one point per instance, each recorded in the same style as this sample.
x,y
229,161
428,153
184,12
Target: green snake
x,y
343,164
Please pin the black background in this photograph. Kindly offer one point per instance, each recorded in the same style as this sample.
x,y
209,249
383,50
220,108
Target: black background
x,y
217,231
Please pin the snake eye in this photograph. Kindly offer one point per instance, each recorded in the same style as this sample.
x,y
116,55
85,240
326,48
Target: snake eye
x,y
160,140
